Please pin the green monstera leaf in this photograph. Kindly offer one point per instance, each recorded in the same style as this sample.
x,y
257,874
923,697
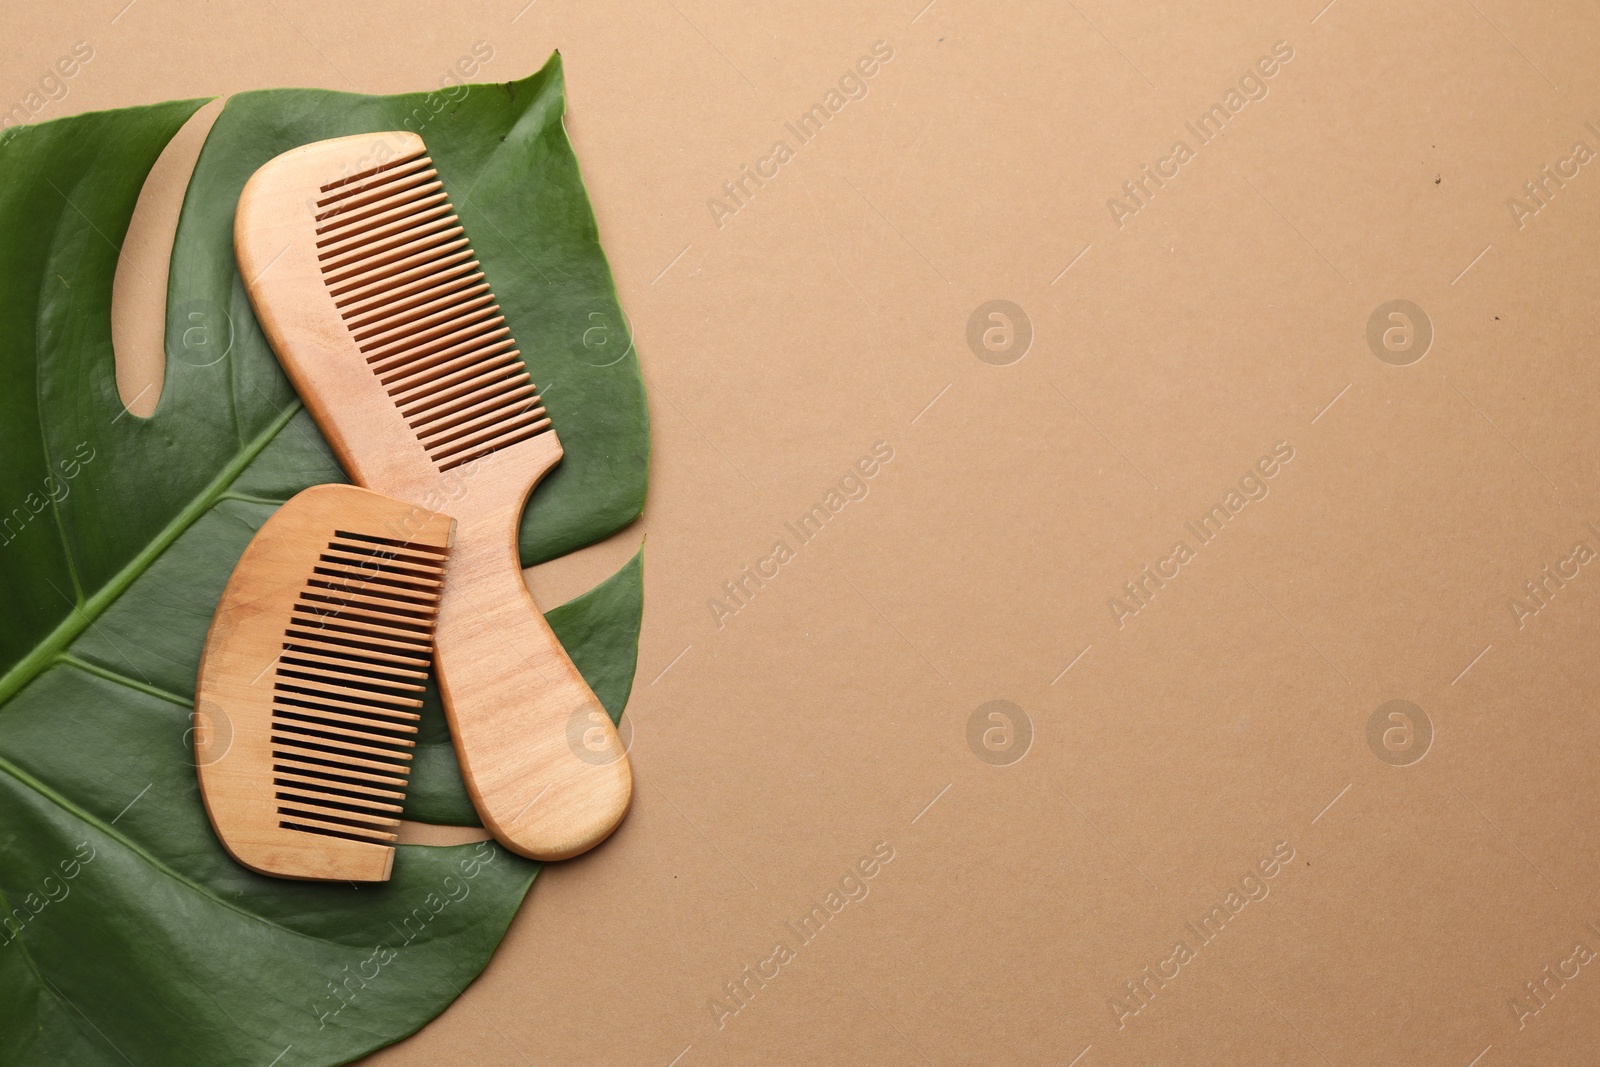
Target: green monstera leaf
x,y
127,935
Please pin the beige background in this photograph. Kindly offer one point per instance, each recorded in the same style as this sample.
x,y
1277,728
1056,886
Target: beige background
x,y
1230,714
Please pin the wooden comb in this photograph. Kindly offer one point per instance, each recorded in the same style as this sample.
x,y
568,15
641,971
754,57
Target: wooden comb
x,y
362,279
305,708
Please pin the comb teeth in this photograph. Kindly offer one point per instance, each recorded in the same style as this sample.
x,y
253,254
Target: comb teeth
x,y
347,684
407,284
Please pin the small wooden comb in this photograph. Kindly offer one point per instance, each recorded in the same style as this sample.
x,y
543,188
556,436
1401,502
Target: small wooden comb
x,y
305,707
362,279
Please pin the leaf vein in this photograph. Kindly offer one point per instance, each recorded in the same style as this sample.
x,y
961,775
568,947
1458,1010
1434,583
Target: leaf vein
x,y
44,441
74,624
67,659
106,830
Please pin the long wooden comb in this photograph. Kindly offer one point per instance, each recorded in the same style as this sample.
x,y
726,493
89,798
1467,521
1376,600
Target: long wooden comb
x,y
313,667
363,280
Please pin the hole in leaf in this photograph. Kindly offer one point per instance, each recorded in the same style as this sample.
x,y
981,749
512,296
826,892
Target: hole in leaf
x,y
139,290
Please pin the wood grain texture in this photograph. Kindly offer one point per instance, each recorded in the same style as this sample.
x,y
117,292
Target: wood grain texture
x,y
365,285
305,706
